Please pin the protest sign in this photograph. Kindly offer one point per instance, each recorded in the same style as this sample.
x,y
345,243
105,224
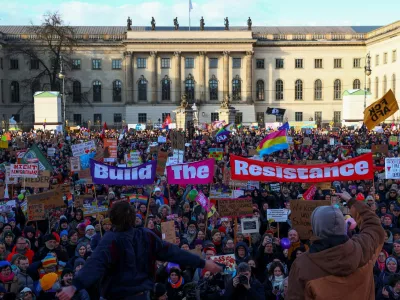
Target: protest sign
x,y
250,225
94,206
216,153
51,151
110,150
177,140
307,141
277,215
200,172
7,206
380,110
168,231
321,185
105,174
380,148
275,187
359,168
162,139
36,212
230,207
50,199
83,148
332,141
393,140
162,158
228,260
24,170
314,162
75,163
9,179
253,152
301,211
392,168
133,158
362,151
237,193
42,181
85,175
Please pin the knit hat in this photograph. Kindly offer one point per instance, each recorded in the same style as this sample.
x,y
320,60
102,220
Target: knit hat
x,y
176,271
4,263
49,261
28,229
48,280
198,242
139,216
65,272
11,220
210,249
360,197
49,237
63,219
390,259
107,221
214,231
89,227
389,216
327,221
56,236
79,262
9,233
63,233
81,226
222,229
159,290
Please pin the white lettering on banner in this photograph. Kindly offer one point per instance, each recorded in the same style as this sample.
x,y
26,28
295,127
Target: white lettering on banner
x,y
347,170
190,172
103,172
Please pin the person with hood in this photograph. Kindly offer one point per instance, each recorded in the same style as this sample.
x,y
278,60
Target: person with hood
x,y
175,284
317,273
241,253
21,247
29,233
390,291
388,244
381,261
80,252
391,267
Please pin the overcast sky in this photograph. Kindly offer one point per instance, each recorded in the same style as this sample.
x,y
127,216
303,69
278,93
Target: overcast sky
x,y
262,12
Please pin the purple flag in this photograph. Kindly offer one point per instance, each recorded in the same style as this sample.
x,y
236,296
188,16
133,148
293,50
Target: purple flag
x,y
105,174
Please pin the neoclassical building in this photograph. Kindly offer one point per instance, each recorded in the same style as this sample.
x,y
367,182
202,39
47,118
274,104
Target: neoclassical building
x,y
138,75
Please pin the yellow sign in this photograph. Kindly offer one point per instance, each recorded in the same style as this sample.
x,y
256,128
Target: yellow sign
x,y
380,110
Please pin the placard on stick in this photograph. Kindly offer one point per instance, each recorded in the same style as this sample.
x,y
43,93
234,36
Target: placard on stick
x,y
36,212
228,207
162,158
50,199
301,211
42,181
168,231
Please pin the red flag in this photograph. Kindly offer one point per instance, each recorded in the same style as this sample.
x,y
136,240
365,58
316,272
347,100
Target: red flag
x,y
167,121
105,126
309,194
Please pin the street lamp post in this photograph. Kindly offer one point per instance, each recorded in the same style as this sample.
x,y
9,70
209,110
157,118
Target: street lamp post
x,y
61,75
367,72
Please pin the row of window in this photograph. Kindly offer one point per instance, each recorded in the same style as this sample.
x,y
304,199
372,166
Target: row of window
x,y
385,57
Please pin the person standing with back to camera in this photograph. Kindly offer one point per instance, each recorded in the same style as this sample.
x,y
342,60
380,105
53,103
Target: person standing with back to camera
x,y
337,267
125,260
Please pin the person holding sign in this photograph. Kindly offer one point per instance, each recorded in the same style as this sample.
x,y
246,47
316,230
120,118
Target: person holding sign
x,y
337,267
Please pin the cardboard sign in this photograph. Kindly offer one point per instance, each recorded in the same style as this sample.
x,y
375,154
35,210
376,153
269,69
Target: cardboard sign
x,y
250,225
382,148
75,163
162,158
277,215
216,153
110,150
314,162
85,175
50,199
9,179
83,148
380,110
238,207
36,212
177,140
42,181
392,168
162,139
301,211
24,170
168,231
307,141
94,206
51,151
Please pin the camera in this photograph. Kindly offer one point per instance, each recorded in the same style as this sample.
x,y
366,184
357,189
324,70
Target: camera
x,y
243,279
276,287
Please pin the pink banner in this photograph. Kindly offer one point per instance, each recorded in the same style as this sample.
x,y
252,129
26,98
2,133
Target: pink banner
x,y
199,172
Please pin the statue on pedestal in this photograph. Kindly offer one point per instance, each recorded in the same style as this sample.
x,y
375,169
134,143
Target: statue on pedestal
x,y
226,23
176,24
184,102
225,102
153,24
129,24
249,23
202,24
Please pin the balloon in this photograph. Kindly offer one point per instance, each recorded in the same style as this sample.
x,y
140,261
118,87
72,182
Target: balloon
x,y
20,197
193,194
285,243
171,265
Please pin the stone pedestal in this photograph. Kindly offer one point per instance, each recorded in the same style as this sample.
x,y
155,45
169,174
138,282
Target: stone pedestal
x,y
183,115
227,115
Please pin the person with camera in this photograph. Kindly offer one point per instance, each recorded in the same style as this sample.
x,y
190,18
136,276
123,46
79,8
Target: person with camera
x,y
243,286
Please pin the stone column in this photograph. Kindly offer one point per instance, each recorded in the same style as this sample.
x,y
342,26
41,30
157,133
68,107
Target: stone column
x,y
128,77
202,79
177,84
153,80
249,77
226,74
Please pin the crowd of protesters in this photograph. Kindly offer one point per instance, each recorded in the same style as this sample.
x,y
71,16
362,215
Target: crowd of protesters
x,y
38,258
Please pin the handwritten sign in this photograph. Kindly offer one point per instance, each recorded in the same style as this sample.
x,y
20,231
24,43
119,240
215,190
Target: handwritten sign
x,y
83,148
36,212
168,231
216,153
235,207
42,181
177,140
382,148
162,158
393,140
278,215
380,110
9,179
50,199
392,168
301,211
51,151
75,163
24,170
110,149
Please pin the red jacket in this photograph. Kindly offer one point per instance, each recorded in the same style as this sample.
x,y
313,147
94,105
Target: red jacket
x,y
28,253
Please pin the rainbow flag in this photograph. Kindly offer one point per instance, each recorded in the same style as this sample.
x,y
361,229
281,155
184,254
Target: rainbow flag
x,y
273,142
135,198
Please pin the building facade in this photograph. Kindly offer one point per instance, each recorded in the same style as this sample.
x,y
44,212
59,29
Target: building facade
x,y
139,75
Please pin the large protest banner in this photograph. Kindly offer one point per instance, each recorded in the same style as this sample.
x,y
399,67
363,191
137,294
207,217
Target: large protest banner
x,y
380,110
201,172
301,211
359,168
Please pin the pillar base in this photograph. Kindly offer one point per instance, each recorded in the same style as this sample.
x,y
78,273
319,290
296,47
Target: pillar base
x,y
227,115
183,115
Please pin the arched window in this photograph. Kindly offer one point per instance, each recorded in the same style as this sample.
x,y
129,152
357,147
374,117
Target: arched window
x,y
236,88
142,89
384,85
260,90
337,89
117,91
394,84
376,87
189,88
318,89
35,87
298,90
356,84
166,89
96,91
14,91
279,89
213,87
76,91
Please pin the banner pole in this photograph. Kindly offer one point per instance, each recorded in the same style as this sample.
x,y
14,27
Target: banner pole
x,y
147,211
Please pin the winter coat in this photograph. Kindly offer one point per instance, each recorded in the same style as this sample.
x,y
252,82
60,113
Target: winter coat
x,y
24,280
246,255
28,253
343,271
256,291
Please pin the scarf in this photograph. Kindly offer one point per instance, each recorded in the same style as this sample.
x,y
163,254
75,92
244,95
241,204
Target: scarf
x,y
5,279
394,294
178,284
381,265
277,280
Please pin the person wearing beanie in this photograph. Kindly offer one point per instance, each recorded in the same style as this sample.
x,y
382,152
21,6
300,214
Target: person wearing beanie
x,y
81,229
89,234
241,253
9,237
78,264
29,233
337,266
50,245
26,293
8,279
21,247
49,285
175,284
63,224
64,238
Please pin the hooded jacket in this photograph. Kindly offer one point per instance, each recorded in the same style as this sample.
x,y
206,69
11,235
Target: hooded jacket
x,y
28,253
246,255
343,271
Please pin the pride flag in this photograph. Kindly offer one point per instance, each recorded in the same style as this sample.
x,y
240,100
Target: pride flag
x,y
274,141
135,198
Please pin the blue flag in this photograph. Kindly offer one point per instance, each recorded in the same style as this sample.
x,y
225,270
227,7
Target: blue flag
x,y
284,126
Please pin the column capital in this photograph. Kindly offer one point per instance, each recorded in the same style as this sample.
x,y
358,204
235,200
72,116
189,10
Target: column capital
x,y
250,53
226,53
128,53
177,53
153,53
202,53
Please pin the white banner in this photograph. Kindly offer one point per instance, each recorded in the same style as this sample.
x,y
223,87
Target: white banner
x,y
24,170
392,168
83,148
51,151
